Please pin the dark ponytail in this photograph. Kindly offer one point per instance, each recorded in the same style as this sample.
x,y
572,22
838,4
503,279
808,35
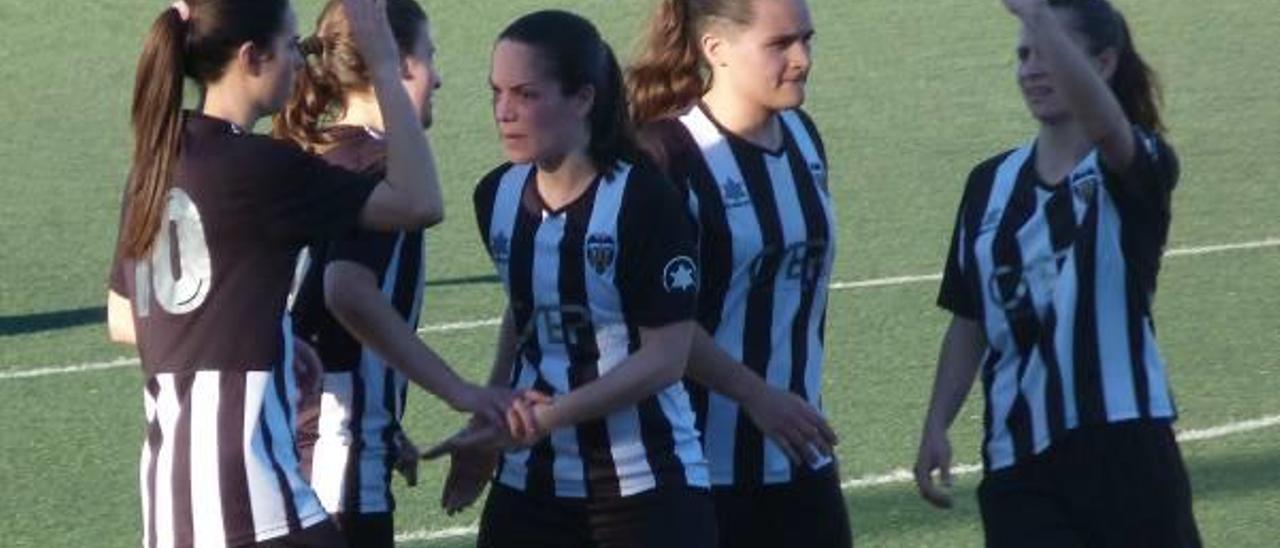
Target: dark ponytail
x,y
576,56
197,44
333,67
157,129
1134,83
669,74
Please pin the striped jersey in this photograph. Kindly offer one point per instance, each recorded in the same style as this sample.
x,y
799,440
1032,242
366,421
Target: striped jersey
x,y
767,244
581,282
348,437
1062,277
219,465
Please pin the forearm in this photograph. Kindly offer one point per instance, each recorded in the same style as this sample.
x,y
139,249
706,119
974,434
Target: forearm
x,y
411,165
659,363
1072,72
505,354
367,315
714,368
958,361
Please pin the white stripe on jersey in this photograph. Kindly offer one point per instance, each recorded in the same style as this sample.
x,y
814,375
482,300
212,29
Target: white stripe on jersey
x,y
332,452
264,489
515,472
144,468
206,489
167,411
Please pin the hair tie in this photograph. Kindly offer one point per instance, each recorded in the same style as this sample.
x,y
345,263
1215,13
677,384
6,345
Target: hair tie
x,y
184,10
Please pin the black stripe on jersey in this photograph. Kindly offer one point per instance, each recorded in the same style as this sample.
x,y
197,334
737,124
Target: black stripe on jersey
x,y
286,491
351,476
1088,367
1137,316
183,526
233,478
757,340
816,229
1016,298
389,396
1061,216
154,439
977,195
583,350
988,410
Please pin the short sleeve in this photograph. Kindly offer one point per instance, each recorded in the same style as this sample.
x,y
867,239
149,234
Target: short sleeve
x,y
483,199
1153,173
368,248
310,198
658,274
959,292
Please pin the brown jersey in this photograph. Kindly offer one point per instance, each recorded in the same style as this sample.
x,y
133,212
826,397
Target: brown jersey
x,y
219,463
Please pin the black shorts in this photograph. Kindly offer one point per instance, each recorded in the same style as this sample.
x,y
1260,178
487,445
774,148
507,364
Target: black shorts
x,y
1118,485
368,530
320,535
809,511
665,518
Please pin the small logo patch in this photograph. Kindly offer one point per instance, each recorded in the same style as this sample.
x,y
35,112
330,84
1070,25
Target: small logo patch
x,y
734,193
601,250
500,248
680,275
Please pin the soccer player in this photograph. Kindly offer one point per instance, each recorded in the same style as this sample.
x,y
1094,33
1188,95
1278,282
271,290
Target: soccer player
x,y
212,221
1050,280
599,261
718,88
361,293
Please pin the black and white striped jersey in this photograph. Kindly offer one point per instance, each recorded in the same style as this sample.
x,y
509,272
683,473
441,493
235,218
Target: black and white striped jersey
x,y
1062,279
767,244
581,281
219,464
348,436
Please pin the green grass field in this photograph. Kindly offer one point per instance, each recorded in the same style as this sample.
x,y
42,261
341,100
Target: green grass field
x,y
909,96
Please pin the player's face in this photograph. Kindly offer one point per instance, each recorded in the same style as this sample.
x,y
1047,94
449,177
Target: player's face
x,y
769,61
419,74
1035,80
536,120
278,66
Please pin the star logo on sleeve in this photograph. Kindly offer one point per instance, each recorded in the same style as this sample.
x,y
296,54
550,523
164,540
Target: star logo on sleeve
x,y
680,275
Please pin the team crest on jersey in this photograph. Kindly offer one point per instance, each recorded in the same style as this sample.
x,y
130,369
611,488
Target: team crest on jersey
x,y
500,248
601,251
680,275
1085,185
734,193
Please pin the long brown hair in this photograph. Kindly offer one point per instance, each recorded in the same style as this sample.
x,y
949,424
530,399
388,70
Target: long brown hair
x,y
333,68
199,47
1134,83
669,73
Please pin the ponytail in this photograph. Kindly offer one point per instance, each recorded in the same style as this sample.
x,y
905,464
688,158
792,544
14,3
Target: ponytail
x,y
333,67
315,93
667,76
1134,83
157,130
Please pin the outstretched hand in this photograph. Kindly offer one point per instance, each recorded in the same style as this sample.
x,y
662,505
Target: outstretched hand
x,y
800,431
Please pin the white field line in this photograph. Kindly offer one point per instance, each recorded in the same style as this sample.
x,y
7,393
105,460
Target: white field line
x,y
901,475
14,373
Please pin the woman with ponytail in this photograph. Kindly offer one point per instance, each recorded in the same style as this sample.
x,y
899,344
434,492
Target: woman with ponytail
x,y
1050,281
213,218
361,292
598,258
718,89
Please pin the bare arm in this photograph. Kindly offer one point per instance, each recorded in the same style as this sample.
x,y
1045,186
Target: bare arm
x,y
659,363
120,319
797,427
411,196
351,293
1075,76
958,361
